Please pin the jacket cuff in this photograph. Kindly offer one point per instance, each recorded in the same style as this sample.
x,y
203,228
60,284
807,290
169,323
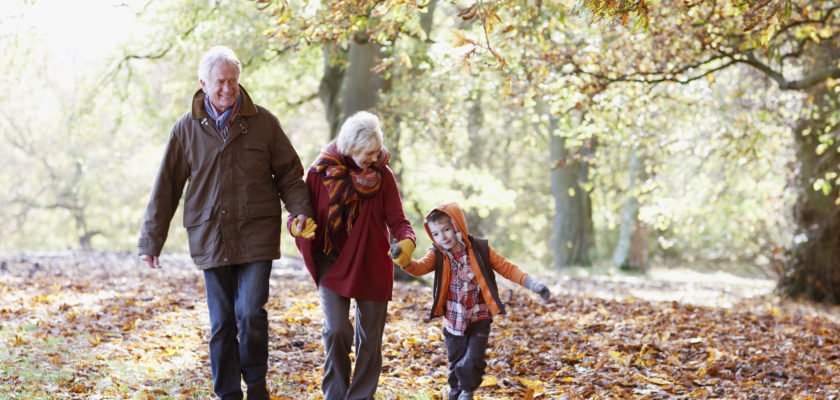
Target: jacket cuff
x,y
145,246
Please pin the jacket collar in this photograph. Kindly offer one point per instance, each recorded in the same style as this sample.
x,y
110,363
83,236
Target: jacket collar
x,y
246,109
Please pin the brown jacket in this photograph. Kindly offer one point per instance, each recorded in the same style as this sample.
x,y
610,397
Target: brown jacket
x,y
232,206
483,275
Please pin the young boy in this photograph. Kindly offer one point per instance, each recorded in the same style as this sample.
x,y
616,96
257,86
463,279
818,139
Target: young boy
x,y
465,293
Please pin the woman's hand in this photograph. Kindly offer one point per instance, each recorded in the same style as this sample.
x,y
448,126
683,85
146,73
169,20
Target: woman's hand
x,y
403,257
303,227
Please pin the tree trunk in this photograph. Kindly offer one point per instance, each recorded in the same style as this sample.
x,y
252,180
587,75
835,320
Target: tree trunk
x,y
631,249
329,89
361,86
572,239
814,269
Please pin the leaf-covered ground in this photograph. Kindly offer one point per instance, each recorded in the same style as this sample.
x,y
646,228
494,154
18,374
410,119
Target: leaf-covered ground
x,y
100,326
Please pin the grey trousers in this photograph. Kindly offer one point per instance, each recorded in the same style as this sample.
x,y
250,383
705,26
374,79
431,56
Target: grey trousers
x,y
338,334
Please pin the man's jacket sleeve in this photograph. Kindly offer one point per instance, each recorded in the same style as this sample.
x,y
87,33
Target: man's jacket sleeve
x,y
169,185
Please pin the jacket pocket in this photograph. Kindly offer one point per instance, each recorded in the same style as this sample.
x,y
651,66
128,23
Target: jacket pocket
x,y
199,231
262,224
253,159
194,218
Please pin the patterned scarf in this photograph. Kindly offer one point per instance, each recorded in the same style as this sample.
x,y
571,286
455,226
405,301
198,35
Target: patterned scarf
x,y
346,186
225,120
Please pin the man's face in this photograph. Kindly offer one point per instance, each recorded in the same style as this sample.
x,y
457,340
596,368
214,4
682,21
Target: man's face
x,y
365,157
443,233
223,86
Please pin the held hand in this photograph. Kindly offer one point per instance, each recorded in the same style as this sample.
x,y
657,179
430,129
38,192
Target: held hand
x,y
401,254
152,261
538,288
303,227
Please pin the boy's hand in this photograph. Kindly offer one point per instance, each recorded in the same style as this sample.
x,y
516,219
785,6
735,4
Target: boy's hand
x,y
537,287
303,230
403,256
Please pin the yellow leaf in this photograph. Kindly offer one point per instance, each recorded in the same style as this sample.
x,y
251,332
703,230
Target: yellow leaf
x,y
530,384
461,39
489,381
508,87
656,380
405,60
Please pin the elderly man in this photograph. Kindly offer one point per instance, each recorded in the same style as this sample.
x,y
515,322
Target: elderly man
x,y
239,165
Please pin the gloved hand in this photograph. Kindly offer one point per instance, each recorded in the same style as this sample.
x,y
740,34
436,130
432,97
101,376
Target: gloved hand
x,y
308,231
537,287
403,256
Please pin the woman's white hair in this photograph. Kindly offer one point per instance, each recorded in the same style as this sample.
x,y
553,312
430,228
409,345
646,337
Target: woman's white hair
x,y
361,132
217,54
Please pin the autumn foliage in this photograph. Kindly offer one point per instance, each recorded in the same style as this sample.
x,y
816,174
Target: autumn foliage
x,y
98,325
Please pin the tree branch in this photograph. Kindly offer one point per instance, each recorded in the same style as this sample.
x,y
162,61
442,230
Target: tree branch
x,y
815,78
658,77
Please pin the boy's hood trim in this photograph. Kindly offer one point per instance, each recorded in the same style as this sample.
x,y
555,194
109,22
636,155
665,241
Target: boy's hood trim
x,y
453,210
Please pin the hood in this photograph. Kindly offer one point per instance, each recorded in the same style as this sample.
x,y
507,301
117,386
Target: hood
x,y
453,210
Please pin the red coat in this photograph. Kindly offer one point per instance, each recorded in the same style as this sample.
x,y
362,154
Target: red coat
x,y
363,269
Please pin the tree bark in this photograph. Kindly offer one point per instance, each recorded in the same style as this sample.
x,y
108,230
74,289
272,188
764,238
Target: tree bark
x,y
631,249
814,268
573,232
361,86
330,88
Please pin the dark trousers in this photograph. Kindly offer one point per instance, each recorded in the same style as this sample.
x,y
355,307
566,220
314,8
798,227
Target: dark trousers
x,y
466,356
236,295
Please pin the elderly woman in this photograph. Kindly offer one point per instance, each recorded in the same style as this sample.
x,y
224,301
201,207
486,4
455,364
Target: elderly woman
x,y
357,204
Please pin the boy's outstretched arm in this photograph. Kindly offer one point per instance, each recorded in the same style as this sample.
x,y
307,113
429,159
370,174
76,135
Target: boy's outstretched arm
x,y
513,273
422,266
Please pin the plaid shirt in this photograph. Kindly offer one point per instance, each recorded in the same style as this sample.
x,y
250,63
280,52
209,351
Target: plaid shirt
x,y
464,305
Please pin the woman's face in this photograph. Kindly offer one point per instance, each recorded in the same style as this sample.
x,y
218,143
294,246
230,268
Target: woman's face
x,y
365,157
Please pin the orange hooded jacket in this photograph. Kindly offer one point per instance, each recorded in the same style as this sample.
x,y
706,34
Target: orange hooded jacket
x,y
496,262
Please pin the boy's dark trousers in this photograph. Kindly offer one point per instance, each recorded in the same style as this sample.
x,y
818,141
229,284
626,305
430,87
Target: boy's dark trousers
x,y
466,357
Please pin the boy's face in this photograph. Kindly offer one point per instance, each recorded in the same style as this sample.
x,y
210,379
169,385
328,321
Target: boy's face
x,y
443,233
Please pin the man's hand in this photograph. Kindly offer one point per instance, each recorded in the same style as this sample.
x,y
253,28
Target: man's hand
x,y
303,227
403,257
537,287
152,261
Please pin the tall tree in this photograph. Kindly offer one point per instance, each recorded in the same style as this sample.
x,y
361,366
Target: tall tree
x,y
795,44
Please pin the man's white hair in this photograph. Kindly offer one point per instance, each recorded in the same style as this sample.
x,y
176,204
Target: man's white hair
x,y
217,54
361,132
